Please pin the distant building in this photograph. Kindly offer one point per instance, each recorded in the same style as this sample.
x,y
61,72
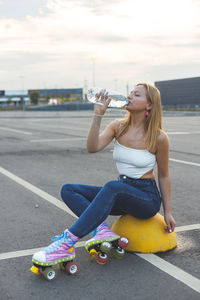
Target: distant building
x,y
180,92
67,94
51,96
14,97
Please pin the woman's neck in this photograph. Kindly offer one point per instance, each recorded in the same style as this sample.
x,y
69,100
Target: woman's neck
x,y
137,120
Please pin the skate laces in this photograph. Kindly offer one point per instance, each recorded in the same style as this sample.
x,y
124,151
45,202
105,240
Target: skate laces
x,y
58,240
101,227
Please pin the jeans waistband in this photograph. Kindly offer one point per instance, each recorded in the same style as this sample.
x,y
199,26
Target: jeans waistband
x,y
147,181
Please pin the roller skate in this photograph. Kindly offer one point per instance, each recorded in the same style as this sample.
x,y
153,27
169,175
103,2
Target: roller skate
x,y
103,241
61,252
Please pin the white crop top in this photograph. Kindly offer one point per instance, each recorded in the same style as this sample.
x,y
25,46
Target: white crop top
x,y
131,162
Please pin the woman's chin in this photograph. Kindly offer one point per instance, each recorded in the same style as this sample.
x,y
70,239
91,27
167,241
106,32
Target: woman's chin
x,y
127,108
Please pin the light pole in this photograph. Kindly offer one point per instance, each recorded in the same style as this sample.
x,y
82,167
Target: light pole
x,y
116,80
85,91
127,89
93,71
22,81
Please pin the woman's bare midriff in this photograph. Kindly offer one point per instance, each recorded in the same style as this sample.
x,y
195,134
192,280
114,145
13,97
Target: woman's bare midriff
x,y
148,175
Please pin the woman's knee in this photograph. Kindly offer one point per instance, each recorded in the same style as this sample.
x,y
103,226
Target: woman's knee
x,y
112,185
66,188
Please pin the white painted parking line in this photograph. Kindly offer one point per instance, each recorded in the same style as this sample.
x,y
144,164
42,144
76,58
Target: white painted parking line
x,y
175,272
182,132
27,252
185,162
179,274
62,127
15,130
57,140
37,191
187,228
21,253
180,161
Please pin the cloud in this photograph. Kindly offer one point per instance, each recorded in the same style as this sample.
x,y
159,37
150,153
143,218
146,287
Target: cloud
x,y
17,59
59,38
174,71
20,9
97,7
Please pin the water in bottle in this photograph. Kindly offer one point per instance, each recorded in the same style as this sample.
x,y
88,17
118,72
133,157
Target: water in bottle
x,y
118,99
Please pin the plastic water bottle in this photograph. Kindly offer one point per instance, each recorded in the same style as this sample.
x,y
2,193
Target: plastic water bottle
x,y
118,99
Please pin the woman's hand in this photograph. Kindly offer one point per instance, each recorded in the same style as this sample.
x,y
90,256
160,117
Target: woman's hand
x,y
103,102
171,224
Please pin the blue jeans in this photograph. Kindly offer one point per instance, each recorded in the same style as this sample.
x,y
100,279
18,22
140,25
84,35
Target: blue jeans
x,y
93,204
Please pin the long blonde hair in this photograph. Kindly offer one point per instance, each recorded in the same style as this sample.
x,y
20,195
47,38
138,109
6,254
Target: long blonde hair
x,y
153,122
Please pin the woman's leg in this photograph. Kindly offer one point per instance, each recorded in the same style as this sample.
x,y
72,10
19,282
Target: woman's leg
x,y
129,198
132,200
78,196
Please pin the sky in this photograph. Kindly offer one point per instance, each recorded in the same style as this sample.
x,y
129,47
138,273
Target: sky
x,y
106,43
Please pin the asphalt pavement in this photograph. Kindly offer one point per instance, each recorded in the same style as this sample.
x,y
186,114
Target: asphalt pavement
x,y
41,151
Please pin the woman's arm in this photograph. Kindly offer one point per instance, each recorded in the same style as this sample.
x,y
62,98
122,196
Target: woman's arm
x,y
96,141
164,179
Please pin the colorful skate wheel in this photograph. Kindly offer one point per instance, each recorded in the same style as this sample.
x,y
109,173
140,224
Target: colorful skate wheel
x,y
72,268
118,253
34,270
105,247
49,274
123,242
93,253
102,258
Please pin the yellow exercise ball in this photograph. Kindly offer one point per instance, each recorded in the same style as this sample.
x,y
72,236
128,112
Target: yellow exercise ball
x,y
145,235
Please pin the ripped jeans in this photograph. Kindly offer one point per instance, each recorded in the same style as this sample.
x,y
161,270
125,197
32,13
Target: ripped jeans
x,y
93,204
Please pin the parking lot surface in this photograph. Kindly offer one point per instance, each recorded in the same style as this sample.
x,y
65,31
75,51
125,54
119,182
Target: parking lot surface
x,y
41,151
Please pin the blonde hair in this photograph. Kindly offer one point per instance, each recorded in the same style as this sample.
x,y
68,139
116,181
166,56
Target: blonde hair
x,y
153,122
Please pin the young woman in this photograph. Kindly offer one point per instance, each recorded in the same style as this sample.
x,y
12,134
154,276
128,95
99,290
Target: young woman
x,y
140,143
